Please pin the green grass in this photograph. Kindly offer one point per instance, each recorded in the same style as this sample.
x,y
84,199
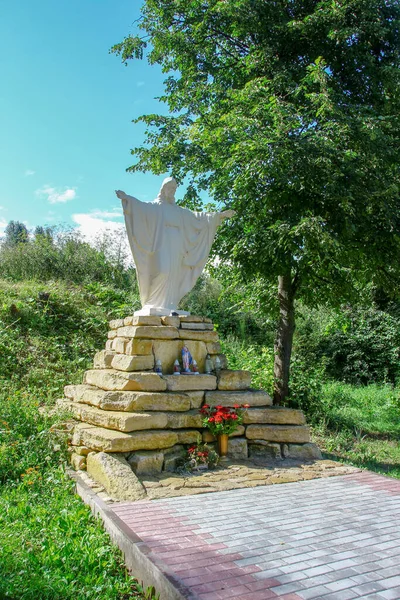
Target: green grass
x,y
50,544
360,425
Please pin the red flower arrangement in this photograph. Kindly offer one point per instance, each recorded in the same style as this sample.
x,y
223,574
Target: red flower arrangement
x,y
222,419
200,457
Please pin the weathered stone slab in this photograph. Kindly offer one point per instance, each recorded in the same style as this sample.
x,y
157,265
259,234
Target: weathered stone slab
x,y
120,421
196,399
109,379
118,345
112,334
251,397
171,321
201,336
76,392
177,383
138,347
187,436
116,323
123,362
134,401
108,440
114,473
78,461
303,451
193,326
237,448
102,359
191,319
262,449
77,439
286,434
169,350
146,462
81,450
182,420
128,321
214,347
153,321
234,380
109,344
274,415
149,332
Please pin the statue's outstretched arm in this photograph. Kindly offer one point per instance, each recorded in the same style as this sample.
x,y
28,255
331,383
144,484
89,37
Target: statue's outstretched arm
x,y
124,199
122,196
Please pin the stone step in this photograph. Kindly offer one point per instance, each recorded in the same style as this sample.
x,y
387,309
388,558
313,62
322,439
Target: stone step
x,y
124,362
251,397
274,416
116,323
108,440
112,380
135,401
234,380
177,383
201,336
76,392
120,421
148,332
103,359
286,434
198,326
132,421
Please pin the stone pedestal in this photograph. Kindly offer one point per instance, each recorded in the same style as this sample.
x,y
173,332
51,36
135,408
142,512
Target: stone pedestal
x,y
126,409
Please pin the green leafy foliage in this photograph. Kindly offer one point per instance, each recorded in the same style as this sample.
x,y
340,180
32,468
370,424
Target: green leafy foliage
x,y
64,255
357,345
289,113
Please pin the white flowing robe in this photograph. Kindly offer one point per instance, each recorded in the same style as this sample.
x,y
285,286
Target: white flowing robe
x,y
170,247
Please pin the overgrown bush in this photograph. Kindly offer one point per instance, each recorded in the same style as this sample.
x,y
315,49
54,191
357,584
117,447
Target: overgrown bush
x,y
65,255
357,345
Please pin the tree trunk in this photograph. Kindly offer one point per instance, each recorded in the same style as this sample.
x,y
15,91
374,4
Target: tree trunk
x,y
284,338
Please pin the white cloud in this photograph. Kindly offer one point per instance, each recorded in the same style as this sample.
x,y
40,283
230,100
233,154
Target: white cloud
x,y
29,172
90,225
96,229
2,208
56,195
114,213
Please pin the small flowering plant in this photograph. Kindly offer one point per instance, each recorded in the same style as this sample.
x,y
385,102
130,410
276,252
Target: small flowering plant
x,y
222,419
200,457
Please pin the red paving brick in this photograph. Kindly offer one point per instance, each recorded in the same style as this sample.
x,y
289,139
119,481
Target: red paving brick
x,y
278,534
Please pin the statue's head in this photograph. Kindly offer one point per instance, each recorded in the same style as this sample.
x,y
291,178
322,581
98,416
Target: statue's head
x,y
167,190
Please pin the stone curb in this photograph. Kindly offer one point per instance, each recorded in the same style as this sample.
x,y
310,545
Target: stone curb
x,y
140,562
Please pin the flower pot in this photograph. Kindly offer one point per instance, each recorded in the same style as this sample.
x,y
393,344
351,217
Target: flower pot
x,y
222,440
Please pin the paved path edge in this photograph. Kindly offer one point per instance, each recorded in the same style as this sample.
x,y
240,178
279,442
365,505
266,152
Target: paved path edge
x,y
148,571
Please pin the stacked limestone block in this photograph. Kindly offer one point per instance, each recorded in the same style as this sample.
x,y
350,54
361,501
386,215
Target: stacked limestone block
x,y
147,420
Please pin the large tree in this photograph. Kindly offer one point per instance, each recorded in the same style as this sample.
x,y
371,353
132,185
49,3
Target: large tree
x,y
287,111
15,233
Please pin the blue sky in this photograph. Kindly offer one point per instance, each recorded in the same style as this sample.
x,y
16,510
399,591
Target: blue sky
x,y
66,107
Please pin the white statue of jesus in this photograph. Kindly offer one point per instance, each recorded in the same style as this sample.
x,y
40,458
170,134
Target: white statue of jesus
x,y
170,247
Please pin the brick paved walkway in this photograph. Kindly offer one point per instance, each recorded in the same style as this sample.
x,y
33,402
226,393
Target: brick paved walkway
x,y
334,539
